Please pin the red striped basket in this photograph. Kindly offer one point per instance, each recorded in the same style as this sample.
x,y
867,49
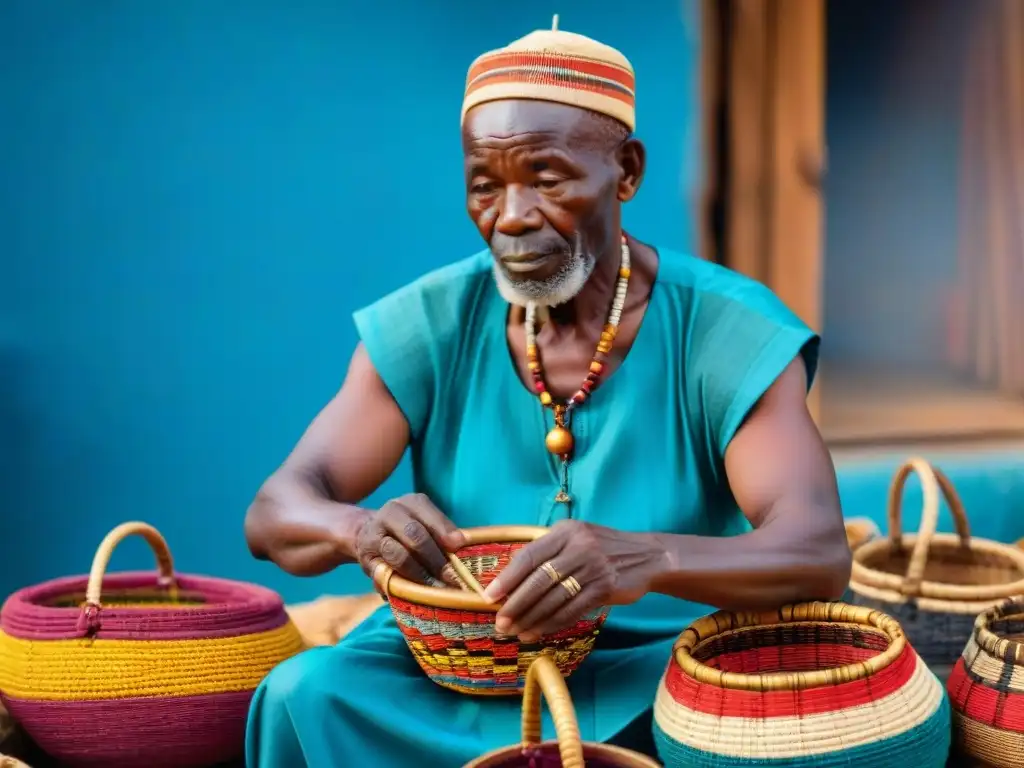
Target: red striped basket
x,y
451,632
159,674
814,685
986,690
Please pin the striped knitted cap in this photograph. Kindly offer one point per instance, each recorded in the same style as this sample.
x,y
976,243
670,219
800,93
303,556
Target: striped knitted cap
x,y
551,65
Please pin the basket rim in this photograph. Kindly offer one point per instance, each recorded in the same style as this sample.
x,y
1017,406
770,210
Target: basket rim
x,y
872,577
227,604
989,641
722,622
398,586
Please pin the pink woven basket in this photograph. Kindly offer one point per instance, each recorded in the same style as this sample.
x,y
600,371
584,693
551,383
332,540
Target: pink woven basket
x,y
158,673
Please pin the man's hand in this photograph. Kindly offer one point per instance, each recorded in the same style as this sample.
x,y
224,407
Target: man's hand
x,y
412,536
554,581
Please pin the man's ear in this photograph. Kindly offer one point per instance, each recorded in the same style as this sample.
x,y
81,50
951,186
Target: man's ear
x,y
632,160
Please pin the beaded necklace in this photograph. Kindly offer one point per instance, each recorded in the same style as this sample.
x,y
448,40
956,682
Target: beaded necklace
x,y
560,441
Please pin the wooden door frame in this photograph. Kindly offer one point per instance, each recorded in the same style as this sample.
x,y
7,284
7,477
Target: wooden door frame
x,y
763,88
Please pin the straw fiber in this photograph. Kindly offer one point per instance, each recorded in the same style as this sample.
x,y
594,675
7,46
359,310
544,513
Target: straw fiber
x,y
986,689
933,584
158,667
451,632
816,684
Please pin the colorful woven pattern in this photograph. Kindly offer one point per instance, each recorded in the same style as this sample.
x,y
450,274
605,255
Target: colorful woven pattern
x,y
458,648
160,674
552,65
820,684
986,690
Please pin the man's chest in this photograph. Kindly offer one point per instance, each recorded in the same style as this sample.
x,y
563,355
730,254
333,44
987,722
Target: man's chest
x,y
636,463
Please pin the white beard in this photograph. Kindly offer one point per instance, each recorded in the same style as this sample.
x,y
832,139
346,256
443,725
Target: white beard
x,y
555,290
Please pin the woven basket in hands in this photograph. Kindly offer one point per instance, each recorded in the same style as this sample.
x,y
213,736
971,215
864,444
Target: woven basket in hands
x,y
934,584
986,690
451,632
815,684
544,680
157,673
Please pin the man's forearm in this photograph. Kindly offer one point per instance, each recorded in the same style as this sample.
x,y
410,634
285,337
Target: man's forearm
x,y
765,568
298,527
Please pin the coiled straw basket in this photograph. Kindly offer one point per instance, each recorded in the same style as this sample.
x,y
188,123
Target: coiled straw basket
x,y
544,680
934,584
159,672
451,632
815,684
986,690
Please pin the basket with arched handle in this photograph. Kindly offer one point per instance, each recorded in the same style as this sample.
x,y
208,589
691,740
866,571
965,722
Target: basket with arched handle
x,y
544,682
817,685
934,584
986,690
451,633
161,665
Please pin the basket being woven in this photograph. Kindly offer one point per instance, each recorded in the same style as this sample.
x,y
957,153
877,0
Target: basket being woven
x,y
451,633
815,684
158,673
544,680
986,690
934,584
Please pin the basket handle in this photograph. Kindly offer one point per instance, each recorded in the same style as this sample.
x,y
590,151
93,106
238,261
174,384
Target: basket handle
x,y
100,561
933,480
544,680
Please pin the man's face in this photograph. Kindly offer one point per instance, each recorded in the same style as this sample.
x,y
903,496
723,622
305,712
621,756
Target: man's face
x,y
543,188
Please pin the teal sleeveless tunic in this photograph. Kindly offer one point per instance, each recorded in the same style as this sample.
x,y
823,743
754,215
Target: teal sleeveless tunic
x,y
649,457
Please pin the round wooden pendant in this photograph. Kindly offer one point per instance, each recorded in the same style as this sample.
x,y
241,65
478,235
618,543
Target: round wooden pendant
x,y
559,441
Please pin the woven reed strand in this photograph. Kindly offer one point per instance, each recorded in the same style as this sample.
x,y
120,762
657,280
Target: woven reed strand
x,y
113,669
196,732
214,608
982,746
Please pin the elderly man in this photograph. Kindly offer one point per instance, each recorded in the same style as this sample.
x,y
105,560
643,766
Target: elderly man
x,y
649,406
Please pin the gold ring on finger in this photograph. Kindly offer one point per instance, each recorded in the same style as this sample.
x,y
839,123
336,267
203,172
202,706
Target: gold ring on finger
x,y
571,586
551,571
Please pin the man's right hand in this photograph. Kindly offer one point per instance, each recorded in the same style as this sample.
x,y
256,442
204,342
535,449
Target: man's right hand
x,y
413,537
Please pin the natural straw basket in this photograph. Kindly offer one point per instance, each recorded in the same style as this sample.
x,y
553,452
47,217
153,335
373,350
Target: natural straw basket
x,y
815,684
934,584
451,632
544,680
160,673
986,690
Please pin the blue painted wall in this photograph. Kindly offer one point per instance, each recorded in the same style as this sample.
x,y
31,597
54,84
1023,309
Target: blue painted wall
x,y
187,193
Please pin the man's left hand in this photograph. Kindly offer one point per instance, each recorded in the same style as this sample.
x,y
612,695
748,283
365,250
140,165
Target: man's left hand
x,y
576,567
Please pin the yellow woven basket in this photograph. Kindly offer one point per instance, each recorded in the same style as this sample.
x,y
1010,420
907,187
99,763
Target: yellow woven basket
x,y
161,666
